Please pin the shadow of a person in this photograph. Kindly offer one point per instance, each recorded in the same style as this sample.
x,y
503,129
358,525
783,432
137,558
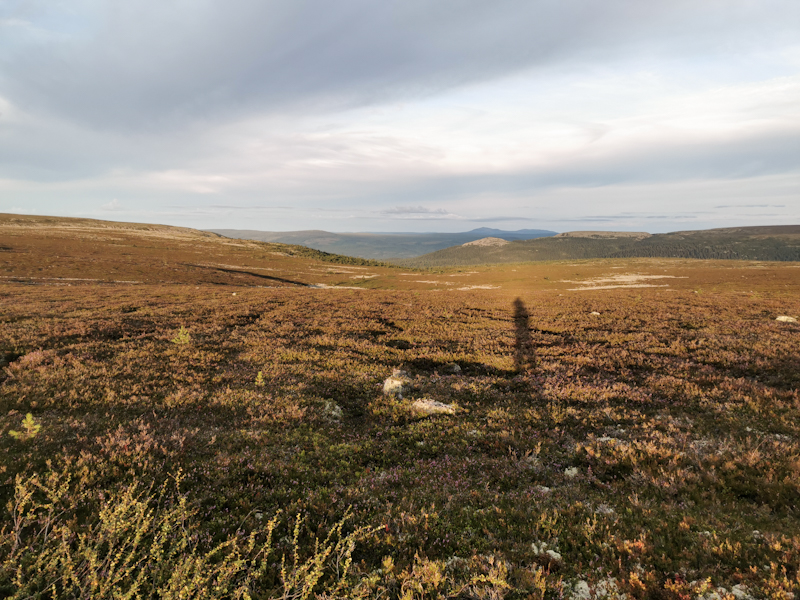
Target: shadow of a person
x,y
523,343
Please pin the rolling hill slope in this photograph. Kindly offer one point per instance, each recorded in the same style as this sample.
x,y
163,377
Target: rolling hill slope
x,y
67,251
781,243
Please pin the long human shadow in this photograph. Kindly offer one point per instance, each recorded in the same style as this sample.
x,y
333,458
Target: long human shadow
x,y
524,359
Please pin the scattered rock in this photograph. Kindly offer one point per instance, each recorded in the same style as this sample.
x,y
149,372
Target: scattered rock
x,y
553,554
332,410
396,386
433,407
595,313
451,368
606,588
544,549
581,591
604,509
571,472
740,592
785,319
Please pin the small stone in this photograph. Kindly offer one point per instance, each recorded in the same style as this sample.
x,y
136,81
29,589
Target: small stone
x,y
581,590
785,319
332,410
433,407
451,368
571,472
553,554
396,386
595,313
740,592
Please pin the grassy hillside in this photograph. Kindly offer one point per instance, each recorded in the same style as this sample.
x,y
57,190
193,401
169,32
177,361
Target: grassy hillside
x,y
607,427
61,250
781,243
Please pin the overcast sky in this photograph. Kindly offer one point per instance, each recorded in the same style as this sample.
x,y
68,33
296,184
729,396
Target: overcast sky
x,y
403,115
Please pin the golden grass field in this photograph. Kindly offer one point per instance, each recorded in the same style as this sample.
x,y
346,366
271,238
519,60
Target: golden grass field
x,y
202,409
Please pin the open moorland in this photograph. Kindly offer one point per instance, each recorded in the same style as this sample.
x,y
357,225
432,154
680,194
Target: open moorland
x,y
188,416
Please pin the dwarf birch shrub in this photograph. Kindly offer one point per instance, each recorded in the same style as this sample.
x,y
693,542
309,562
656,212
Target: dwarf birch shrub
x,y
144,543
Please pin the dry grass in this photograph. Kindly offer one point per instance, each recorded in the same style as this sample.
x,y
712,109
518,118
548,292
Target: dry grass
x,y
655,443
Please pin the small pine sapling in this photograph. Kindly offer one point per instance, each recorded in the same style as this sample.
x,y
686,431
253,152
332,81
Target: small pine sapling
x,y
31,429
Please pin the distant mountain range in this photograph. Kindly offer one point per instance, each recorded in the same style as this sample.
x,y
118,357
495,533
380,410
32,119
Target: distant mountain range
x,y
746,243
381,246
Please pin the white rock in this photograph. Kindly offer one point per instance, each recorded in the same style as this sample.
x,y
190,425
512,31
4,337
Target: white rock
x,y
396,386
433,407
333,410
571,472
740,592
595,313
605,589
581,591
785,319
553,554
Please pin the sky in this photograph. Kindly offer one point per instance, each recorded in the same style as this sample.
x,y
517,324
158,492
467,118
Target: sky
x,y
403,115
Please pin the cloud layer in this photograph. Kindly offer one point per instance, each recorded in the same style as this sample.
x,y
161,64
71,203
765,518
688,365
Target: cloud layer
x,y
356,114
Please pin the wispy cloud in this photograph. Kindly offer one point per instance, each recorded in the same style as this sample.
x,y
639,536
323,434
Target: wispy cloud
x,y
750,206
417,213
414,210
292,114
114,205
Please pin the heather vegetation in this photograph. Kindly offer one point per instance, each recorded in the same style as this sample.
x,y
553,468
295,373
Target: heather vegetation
x,y
215,439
